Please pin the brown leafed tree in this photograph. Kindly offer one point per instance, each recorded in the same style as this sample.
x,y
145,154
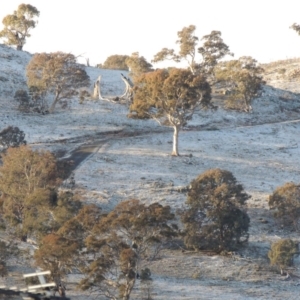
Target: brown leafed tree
x,y
120,241
63,250
285,202
170,97
216,218
57,73
245,81
116,62
18,25
57,254
27,179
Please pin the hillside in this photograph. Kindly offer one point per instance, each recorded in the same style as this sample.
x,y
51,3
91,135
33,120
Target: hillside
x,y
131,159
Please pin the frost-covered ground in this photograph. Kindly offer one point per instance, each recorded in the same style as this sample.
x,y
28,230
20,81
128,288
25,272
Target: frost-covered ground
x,y
261,149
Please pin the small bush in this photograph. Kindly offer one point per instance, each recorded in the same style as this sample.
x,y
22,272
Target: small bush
x,y
21,96
12,137
282,253
285,202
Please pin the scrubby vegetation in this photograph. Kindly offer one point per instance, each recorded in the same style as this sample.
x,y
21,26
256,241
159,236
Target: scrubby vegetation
x,y
282,253
216,218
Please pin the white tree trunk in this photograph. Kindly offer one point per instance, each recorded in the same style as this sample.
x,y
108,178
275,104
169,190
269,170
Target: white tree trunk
x,y
175,141
51,110
96,92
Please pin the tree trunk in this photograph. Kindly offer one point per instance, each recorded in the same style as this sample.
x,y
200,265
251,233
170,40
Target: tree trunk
x,y
96,92
19,47
175,141
128,288
53,104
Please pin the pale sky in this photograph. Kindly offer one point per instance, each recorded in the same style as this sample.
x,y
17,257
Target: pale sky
x,y
97,29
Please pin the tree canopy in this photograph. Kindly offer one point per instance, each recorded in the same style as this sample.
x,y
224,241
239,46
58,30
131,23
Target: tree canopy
x,y
18,25
285,202
244,80
116,62
30,201
57,73
138,65
170,97
120,241
215,218
282,253
212,50
12,137
296,27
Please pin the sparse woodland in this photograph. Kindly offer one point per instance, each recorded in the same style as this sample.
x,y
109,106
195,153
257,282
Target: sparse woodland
x,y
109,249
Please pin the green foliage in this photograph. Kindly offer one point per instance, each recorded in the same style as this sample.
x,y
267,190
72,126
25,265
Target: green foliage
x,y
244,77
116,62
285,201
169,97
27,181
137,65
215,218
57,73
18,25
282,252
12,137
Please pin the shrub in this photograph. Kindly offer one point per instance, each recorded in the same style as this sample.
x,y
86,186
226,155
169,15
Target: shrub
x,y
21,96
282,252
215,218
12,137
285,201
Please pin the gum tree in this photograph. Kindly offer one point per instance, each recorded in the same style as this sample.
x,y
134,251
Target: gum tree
x,y
57,73
245,81
170,98
212,50
18,25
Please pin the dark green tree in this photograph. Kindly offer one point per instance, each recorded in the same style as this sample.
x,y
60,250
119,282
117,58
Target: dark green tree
x,y
57,73
12,137
18,25
282,253
170,97
285,202
215,218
